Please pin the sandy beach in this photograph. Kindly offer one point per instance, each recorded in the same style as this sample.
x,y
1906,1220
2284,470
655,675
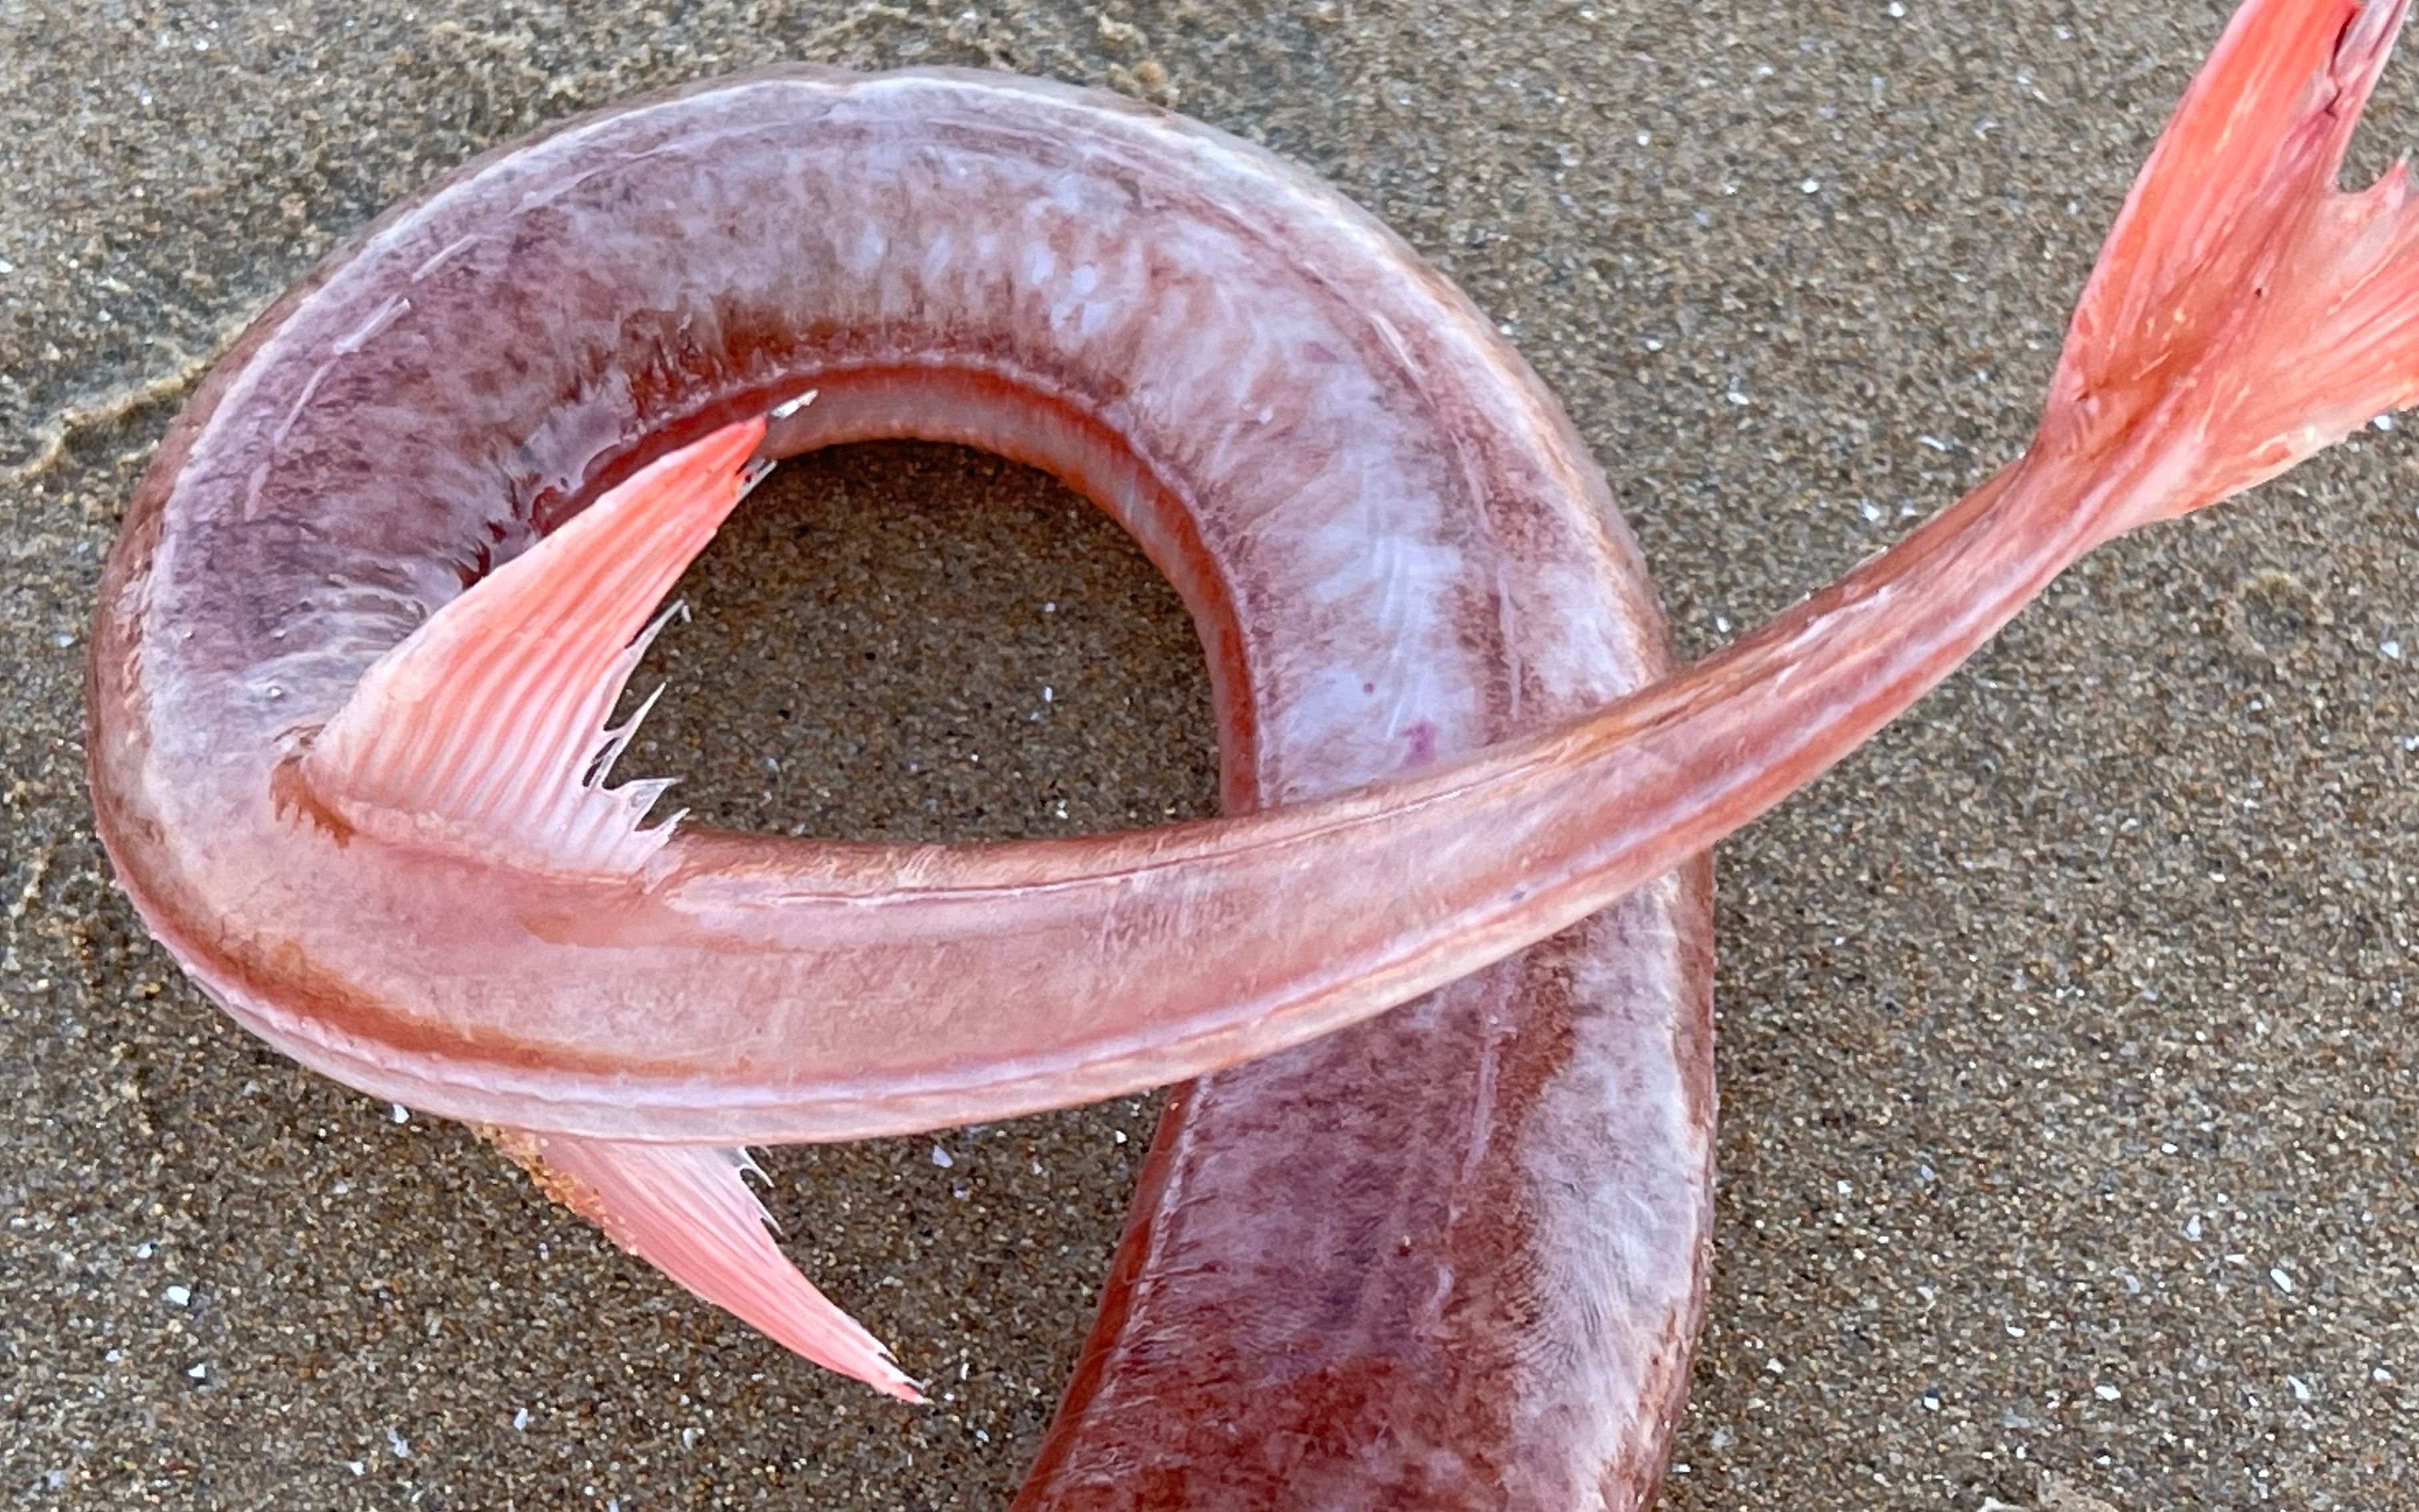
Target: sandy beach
x,y
2070,1101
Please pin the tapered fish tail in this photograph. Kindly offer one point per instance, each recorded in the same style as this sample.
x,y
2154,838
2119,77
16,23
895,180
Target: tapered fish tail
x,y
2245,313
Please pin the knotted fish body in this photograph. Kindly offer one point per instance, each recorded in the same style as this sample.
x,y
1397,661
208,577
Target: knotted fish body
x,y
383,585
1396,550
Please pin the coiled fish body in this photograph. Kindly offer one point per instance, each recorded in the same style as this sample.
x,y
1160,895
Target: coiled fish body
x,y
375,602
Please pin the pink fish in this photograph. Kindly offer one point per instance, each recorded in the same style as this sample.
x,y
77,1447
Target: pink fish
x,y
375,603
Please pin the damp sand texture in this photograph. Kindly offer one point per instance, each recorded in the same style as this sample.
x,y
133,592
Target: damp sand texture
x,y
2069,1105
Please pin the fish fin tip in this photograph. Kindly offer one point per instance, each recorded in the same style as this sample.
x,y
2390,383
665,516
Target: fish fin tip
x,y
489,727
2244,312
687,1211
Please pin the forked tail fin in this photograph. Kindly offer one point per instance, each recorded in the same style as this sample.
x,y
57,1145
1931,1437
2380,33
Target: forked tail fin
x,y
2245,313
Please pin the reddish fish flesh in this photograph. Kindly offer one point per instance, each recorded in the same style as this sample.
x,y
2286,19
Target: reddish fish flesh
x,y
374,604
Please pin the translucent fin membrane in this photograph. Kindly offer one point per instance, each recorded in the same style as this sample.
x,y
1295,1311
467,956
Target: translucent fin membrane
x,y
485,730
686,1211
2244,312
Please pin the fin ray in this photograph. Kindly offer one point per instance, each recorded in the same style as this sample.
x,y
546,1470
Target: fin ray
x,y
2244,312
486,729
686,1211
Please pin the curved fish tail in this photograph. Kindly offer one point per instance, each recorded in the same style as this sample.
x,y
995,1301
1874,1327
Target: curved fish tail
x,y
2245,313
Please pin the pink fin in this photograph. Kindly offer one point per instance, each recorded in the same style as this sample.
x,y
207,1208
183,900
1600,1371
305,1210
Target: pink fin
x,y
484,730
685,1209
2244,312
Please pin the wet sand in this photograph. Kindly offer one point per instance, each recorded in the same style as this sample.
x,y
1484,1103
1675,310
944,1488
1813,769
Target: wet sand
x,y
2070,1106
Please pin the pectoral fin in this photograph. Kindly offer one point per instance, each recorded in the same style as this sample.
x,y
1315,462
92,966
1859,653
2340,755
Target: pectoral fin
x,y
483,731
686,1211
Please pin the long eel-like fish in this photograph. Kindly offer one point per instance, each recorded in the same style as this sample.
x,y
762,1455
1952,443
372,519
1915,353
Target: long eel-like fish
x,y
378,595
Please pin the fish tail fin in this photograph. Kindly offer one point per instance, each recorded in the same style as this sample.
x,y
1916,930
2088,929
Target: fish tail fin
x,y
484,730
686,1211
2245,313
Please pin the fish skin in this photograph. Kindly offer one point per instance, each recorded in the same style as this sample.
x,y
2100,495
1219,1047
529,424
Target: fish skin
x,y
2312,339
1543,608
